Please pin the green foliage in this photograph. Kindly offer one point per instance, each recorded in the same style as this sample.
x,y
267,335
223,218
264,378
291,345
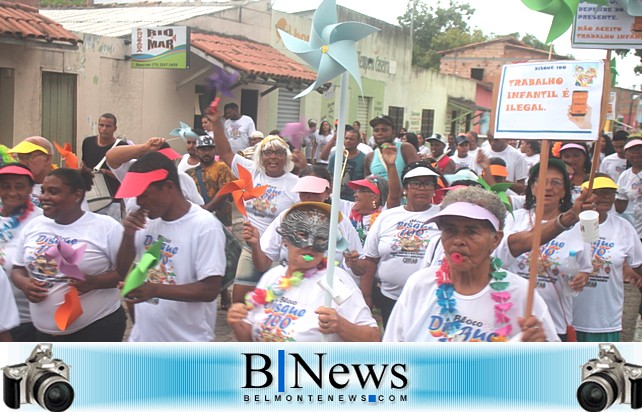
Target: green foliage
x,y
58,3
443,27
437,28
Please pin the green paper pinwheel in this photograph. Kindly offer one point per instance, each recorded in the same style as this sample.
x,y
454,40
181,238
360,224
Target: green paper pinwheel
x,y
500,190
563,12
138,275
331,49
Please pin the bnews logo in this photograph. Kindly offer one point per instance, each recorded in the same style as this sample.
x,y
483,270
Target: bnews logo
x,y
291,371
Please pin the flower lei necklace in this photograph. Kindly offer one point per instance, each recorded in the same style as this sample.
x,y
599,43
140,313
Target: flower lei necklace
x,y
7,229
448,303
262,296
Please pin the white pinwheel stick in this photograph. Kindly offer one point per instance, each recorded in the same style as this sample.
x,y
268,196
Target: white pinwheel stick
x,y
336,187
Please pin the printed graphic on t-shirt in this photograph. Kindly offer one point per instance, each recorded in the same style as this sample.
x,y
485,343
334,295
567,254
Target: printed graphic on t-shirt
x,y
163,272
548,265
601,260
280,318
265,205
38,264
410,241
235,130
471,330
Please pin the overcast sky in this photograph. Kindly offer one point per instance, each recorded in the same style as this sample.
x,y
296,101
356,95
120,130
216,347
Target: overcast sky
x,y
488,16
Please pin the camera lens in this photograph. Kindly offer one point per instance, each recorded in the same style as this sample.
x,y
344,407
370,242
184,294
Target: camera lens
x,y
58,396
597,392
53,392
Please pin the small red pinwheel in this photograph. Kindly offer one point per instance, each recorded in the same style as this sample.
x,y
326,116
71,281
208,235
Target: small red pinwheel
x,y
71,160
242,189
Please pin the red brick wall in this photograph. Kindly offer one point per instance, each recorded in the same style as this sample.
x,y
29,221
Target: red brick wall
x,y
490,57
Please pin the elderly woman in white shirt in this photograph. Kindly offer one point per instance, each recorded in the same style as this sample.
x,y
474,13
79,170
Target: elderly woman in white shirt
x,y
288,303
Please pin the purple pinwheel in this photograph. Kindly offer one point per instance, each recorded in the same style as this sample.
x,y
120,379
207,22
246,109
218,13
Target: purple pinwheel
x,y
67,258
221,81
331,50
296,132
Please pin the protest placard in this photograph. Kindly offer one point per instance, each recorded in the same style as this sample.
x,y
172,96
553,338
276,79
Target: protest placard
x,y
555,100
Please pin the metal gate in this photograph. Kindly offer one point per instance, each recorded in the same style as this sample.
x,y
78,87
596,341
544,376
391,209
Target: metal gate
x,y
289,109
59,109
363,113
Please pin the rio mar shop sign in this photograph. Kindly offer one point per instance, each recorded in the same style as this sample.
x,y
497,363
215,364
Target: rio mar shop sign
x,y
160,47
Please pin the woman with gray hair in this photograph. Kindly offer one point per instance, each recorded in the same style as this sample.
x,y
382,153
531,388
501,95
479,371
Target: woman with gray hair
x,y
469,297
271,166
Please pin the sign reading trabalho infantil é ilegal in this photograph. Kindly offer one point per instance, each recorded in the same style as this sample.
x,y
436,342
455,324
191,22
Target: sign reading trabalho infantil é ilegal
x,y
558,100
160,47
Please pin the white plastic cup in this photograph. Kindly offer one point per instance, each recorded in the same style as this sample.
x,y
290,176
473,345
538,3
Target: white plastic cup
x,y
590,225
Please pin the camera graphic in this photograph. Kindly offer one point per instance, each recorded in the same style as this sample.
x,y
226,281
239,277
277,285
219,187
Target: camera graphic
x,y
608,380
41,379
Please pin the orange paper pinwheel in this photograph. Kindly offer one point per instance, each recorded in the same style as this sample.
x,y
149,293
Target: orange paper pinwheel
x,y
71,160
242,189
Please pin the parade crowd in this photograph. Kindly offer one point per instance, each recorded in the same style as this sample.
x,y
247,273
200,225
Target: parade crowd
x,y
433,241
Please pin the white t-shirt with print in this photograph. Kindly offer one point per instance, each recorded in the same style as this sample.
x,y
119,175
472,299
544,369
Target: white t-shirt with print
x,y
515,163
277,198
399,238
10,318
416,316
272,242
7,253
613,166
462,161
554,257
630,188
238,132
291,317
599,307
102,236
321,142
194,250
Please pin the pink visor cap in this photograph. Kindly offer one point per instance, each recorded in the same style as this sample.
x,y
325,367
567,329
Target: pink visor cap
x,y
135,183
465,209
311,184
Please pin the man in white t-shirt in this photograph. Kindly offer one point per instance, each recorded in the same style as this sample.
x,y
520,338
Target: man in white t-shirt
x,y
177,302
461,157
238,128
614,164
515,163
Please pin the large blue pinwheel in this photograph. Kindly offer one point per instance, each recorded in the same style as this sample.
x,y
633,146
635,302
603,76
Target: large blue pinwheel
x,y
331,49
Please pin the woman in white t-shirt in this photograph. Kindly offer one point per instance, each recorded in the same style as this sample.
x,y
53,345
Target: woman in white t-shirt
x,y
323,137
468,298
88,243
597,311
16,184
271,167
576,156
561,244
288,303
397,241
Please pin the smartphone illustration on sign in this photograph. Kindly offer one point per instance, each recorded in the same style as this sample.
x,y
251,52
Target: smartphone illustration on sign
x,y
578,103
